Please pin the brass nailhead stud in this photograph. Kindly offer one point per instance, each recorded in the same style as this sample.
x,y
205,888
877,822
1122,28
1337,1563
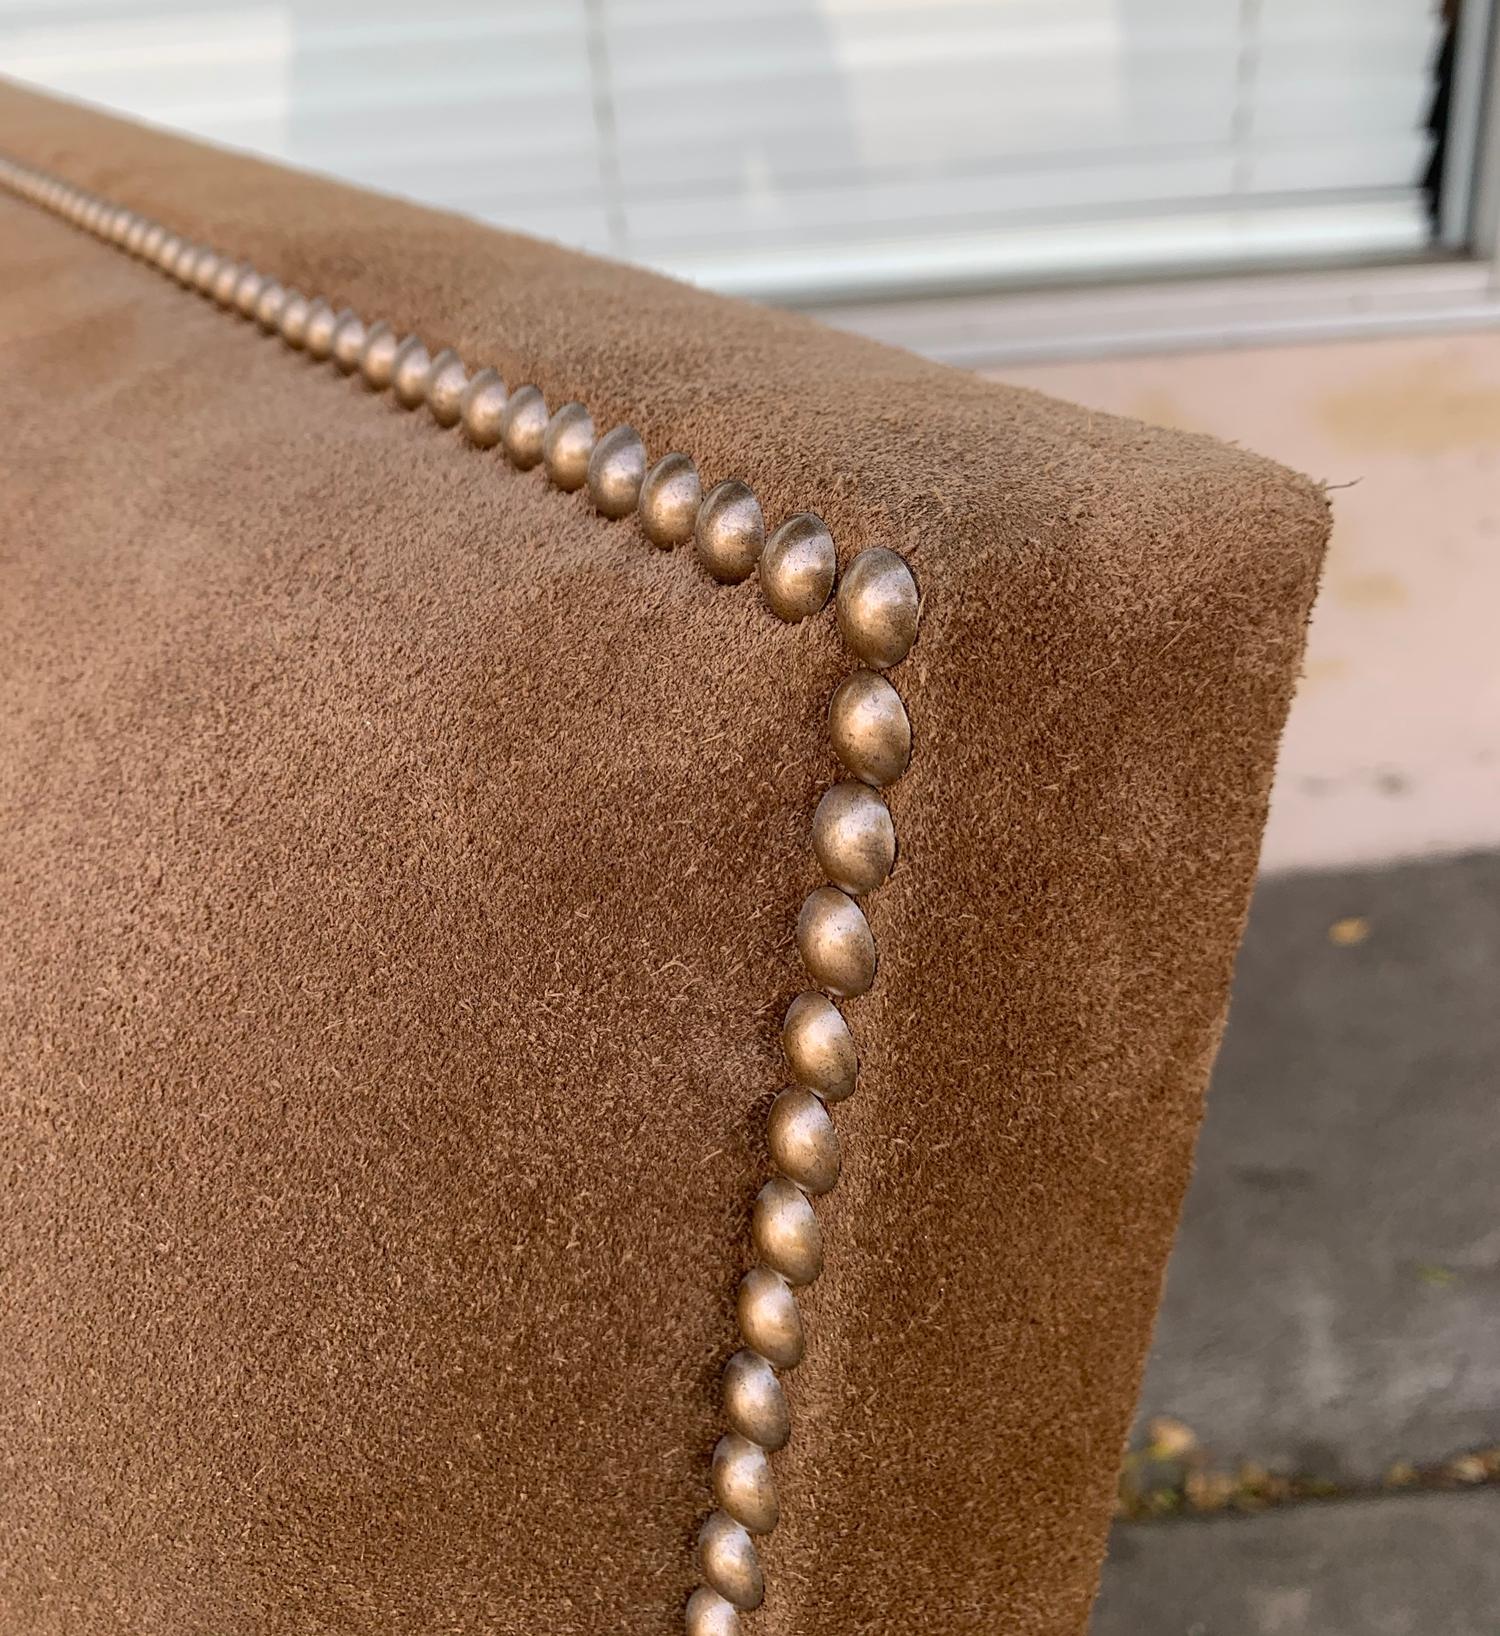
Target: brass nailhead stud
x,y
347,345
835,942
445,387
731,532
743,1484
269,304
247,288
322,328
185,264
317,332
708,1614
294,314
877,608
617,469
410,373
728,1558
784,1230
524,427
567,446
853,837
670,497
754,1403
769,1319
869,728
483,409
797,568
803,1142
819,1047
207,271
226,280
378,361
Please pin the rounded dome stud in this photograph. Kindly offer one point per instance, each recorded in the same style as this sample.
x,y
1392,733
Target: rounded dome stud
x,y
322,321
670,497
225,281
269,305
347,345
377,362
247,288
754,1403
784,1230
835,942
185,262
483,408
151,240
411,370
135,239
523,426
798,567
728,1558
877,608
708,1614
803,1142
819,1048
730,532
769,1319
853,837
743,1485
207,271
445,387
295,311
617,469
166,252
567,446
869,728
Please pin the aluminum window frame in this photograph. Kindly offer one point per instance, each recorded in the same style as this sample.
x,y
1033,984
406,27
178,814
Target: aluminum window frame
x,y
1453,286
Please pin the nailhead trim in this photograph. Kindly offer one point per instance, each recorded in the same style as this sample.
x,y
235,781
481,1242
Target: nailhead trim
x,y
877,615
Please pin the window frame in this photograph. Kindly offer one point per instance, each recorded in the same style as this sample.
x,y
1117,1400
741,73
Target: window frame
x,y
1454,285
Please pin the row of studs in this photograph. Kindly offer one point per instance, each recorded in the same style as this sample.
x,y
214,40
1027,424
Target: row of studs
x,y
853,836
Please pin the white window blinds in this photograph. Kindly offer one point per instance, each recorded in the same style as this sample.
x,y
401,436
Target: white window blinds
x,y
795,148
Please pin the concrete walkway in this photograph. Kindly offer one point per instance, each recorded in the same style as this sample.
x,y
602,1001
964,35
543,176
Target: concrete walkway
x,y
1408,1565
1333,1306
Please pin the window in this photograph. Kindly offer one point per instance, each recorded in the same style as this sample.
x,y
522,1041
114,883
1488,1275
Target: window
x,y
816,150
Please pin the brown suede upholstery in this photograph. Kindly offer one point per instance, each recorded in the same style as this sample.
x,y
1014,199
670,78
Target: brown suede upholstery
x,y
400,865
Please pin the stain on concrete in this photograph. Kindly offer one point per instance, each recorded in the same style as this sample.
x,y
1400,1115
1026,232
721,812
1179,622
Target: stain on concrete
x,y
1424,406
1371,591
1318,671
1157,407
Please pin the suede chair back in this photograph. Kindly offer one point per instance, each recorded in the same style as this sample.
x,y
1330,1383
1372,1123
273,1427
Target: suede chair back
x,y
616,912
